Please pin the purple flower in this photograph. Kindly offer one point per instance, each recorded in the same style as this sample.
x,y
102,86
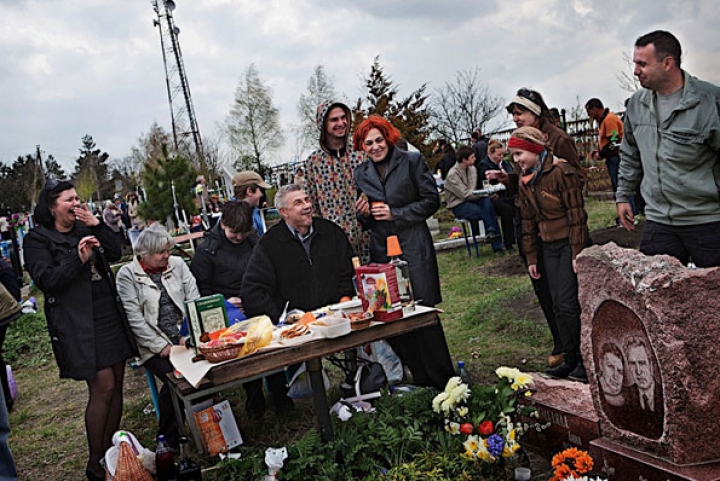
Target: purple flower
x,y
495,445
15,216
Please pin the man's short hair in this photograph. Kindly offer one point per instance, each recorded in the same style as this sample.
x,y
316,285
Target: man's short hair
x,y
611,348
666,45
463,153
241,191
475,135
283,192
594,104
493,145
237,216
637,341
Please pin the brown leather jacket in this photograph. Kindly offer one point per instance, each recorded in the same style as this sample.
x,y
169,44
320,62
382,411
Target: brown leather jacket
x,y
552,208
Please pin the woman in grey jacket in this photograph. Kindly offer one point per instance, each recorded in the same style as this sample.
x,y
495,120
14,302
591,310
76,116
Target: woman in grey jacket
x,y
153,289
401,195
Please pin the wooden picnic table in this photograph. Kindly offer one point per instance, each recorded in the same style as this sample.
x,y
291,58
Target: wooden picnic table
x,y
232,374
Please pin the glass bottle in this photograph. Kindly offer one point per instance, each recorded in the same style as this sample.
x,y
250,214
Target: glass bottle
x,y
164,461
402,272
187,469
356,264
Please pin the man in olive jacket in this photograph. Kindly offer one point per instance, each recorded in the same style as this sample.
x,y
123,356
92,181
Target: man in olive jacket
x,y
671,147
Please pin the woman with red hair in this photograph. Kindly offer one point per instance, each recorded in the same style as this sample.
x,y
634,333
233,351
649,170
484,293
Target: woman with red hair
x,y
400,194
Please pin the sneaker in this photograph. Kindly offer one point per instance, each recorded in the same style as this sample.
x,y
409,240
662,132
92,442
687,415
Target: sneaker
x,y
579,374
562,371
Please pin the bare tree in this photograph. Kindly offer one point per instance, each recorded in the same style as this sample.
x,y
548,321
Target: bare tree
x,y
253,124
626,78
320,88
461,106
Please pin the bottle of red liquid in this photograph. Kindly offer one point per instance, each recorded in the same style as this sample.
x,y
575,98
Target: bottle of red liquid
x,y
164,461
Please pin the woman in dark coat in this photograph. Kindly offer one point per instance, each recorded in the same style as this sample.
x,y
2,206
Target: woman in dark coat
x,y
402,193
67,255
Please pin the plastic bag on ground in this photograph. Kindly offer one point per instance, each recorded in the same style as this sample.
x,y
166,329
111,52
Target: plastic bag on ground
x,y
381,353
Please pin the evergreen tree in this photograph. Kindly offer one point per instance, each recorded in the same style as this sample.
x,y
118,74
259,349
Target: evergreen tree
x,y
409,114
95,162
159,177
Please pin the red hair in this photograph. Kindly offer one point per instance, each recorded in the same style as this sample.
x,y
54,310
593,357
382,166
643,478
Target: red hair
x,y
391,134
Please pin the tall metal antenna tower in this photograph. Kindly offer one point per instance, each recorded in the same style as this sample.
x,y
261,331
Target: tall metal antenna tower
x,y
184,123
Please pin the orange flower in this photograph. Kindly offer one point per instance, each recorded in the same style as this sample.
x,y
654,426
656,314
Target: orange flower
x,y
571,461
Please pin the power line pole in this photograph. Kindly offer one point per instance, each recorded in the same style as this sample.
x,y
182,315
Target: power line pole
x,y
38,175
182,113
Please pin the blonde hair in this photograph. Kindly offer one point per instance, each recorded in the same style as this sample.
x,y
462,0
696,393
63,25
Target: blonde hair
x,y
530,134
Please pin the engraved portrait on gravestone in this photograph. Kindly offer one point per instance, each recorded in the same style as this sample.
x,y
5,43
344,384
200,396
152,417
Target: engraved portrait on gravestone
x,y
627,373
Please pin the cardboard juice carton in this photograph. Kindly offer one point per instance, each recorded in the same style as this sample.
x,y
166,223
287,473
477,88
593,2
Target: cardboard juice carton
x,y
379,291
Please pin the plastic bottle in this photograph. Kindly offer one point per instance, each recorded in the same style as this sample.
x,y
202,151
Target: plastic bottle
x,y
164,461
462,372
402,271
188,470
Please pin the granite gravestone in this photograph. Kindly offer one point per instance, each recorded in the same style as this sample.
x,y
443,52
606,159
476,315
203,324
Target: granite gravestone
x,y
650,331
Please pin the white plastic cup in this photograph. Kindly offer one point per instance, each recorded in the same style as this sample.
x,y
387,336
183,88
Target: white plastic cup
x,y
522,474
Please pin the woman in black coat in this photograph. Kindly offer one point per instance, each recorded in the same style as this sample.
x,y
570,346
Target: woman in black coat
x,y
401,195
67,257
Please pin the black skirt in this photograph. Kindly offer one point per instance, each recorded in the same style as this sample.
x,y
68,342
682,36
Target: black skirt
x,y
111,342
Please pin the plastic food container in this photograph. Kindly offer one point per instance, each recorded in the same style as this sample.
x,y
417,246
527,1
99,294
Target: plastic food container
x,y
331,327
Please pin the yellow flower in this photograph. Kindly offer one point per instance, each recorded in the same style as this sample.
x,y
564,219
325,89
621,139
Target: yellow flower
x,y
453,428
482,451
508,373
511,445
437,401
522,381
452,383
528,393
462,411
472,444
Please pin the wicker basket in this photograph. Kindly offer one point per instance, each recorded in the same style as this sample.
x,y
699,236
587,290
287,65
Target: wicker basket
x,y
129,467
221,353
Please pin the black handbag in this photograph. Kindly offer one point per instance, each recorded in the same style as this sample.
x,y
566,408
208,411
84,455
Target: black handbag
x,y
370,379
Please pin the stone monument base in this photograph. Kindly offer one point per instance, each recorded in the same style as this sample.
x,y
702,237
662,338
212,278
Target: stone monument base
x,y
566,413
621,463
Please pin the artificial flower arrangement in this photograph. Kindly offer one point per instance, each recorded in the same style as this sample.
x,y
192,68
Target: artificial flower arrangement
x,y
454,233
571,465
485,414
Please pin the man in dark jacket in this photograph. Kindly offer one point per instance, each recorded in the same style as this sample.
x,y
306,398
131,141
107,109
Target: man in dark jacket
x,y
303,262
448,157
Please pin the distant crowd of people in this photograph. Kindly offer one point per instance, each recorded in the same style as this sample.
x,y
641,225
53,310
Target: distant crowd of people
x,y
352,193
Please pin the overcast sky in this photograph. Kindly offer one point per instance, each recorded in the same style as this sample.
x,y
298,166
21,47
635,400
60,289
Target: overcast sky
x,y
75,67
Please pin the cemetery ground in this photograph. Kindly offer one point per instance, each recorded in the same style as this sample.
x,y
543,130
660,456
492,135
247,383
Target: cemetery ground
x,y
491,319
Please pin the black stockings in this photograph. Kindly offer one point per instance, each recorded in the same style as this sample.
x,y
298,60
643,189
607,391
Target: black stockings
x,y
103,412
